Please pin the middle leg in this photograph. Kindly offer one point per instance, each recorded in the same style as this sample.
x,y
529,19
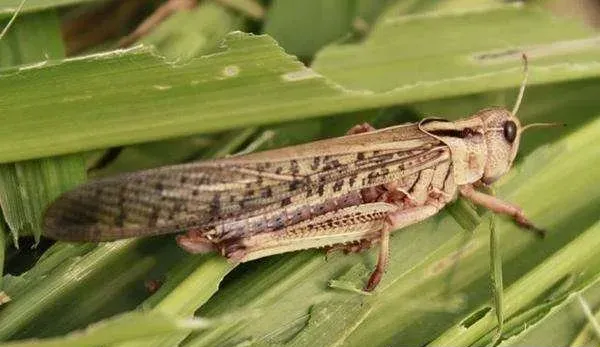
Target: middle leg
x,y
395,220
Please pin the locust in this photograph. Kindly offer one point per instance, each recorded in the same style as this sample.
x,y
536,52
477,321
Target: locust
x,y
346,193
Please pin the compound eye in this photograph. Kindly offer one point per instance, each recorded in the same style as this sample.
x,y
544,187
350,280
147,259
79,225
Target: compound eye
x,y
510,131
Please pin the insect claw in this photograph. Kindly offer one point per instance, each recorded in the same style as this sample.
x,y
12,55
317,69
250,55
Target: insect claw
x,y
523,222
541,233
373,281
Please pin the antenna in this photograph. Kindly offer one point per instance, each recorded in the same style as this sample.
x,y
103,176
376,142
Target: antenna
x,y
539,125
12,19
523,84
520,98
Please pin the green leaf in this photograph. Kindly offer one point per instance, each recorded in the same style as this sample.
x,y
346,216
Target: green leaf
x,y
3,247
560,323
187,34
481,53
229,89
27,187
438,280
36,298
124,327
531,286
32,38
187,289
9,6
496,279
302,27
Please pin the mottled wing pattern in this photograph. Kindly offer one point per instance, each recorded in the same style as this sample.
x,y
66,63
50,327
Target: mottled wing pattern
x,y
202,195
150,202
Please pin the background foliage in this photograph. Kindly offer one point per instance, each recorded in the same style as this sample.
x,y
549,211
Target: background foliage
x,y
81,95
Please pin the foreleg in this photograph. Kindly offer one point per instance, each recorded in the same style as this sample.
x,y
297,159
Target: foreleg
x,y
500,206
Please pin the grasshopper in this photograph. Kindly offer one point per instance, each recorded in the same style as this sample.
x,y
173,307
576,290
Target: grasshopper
x,y
348,192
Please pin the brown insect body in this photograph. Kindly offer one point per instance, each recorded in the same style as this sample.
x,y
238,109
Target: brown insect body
x,y
349,190
241,195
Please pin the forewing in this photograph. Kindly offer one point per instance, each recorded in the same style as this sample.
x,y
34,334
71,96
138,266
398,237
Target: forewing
x,y
201,195
150,202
